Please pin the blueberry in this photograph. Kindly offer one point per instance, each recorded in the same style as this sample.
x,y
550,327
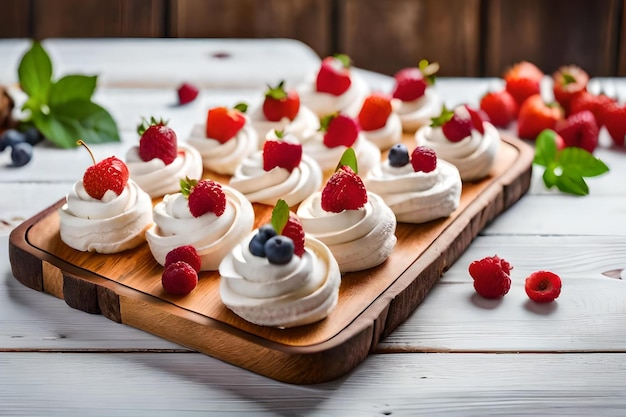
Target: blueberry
x,y
12,136
257,243
32,136
21,154
398,155
279,249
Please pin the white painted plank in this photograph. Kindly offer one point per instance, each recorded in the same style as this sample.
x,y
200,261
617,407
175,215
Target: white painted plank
x,y
149,384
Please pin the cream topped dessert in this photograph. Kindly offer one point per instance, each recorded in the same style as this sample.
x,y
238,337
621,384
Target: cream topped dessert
x,y
356,225
281,110
106,212
417,189
338,133
278,277
279,171
416,101
335,88
209,216
379,123
159,162
464,139
225,140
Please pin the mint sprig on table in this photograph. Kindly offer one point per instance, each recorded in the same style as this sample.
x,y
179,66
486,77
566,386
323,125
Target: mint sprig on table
x,y
62,110
566,168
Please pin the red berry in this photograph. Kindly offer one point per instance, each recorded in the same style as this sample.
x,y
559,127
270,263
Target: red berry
x,y
187,93
374,112
341,130
157,141
108,174
535,115
334,75
579,129
179,278
423,159
284,153
543,286
500,106
595,103
223,123
280,103
491,276
478,117
523,80
204,196
458,126
568,82
294,230
614,117
186,253
344,191
410,84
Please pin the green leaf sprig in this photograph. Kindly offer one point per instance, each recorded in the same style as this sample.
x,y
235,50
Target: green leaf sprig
x,y
62,110
566,168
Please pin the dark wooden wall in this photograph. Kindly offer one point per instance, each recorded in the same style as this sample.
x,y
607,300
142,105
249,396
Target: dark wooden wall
x,y
467,37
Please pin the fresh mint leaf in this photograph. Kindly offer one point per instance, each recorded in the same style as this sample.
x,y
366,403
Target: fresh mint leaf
x,y
77,119
280,216
578,160
550,179
72,87
545,148
572,183
35,73
348,158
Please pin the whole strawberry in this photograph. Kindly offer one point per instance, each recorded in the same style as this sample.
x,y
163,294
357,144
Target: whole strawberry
x,y
491,276
204,196
535,115
157,140
579,129
179,278
187,93
344,191
285,152
614,117
500,106
340,130
568,82
543,286
279,103
411,83
334,75
223,123
523,80
595,103
457,124
108,174
374,112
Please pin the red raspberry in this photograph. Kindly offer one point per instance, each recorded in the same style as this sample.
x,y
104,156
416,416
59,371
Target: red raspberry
x,y
185,253
344,191
543,286
204,196
423,159
179,278
294,230
341,130
491,276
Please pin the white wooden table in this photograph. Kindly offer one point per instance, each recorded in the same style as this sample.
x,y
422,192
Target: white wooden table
x,y
458,354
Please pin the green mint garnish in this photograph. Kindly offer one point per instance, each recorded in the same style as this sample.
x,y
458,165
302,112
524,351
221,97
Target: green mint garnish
x,y
62,110
566,168
280,216
348,158
442,118
242,107
186,185
345,59
145,124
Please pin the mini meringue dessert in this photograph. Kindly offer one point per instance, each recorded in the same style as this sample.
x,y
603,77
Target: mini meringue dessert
x,y
106,212
416,101
418,189
339,132
378,121
159,162
335,88
280,110
279,171
356,225
209,216
463,138
276,276
225,139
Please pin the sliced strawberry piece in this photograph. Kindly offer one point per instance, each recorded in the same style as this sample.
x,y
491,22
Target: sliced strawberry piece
x,y
223,124
344,191
579,129
374,112
334,75
285,152
341,130
280,103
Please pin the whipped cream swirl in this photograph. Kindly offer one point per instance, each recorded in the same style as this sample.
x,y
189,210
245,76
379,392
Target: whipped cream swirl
x,y
324,104
417,197
417,113
359,239
158,179
110,225
300,292
212,236
473,156
267,187
388,135
223,158
305,122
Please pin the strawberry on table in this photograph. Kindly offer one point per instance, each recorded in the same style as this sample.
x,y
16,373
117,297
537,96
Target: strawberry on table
x,y
224,123
280,103
374,112
500,106
340,130
285,152
108,174
579,129
187,93
204,196
614,117
535,115
411,83
157,140
595,103
523,80
568,82
334,75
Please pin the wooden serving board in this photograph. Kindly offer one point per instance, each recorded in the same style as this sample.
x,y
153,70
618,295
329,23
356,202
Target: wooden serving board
x,y
126,287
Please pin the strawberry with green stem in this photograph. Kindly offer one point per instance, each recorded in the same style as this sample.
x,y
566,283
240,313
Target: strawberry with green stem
x,y
223,123
411,83
333,76
280,103
109,174
157,140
